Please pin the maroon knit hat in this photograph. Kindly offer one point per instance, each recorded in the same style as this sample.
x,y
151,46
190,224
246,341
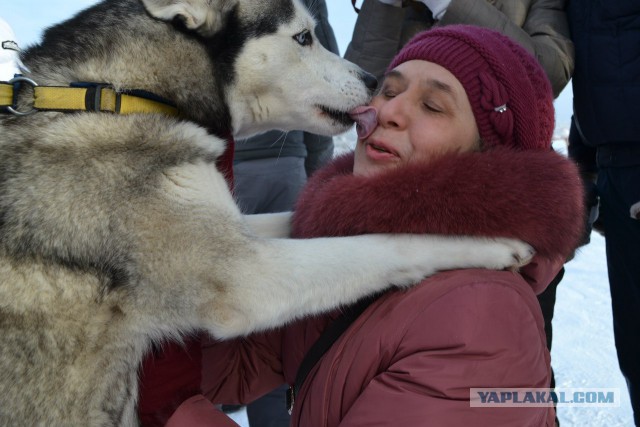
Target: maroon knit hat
x,y
509,92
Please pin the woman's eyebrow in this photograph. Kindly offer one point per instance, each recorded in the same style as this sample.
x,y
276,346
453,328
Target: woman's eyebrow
x,y
393,75
428,83
440,86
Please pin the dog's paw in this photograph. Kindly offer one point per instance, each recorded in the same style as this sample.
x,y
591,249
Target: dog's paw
x,y
460,252
512,254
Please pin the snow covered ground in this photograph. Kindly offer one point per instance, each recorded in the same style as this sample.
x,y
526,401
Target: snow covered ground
x,y
583,353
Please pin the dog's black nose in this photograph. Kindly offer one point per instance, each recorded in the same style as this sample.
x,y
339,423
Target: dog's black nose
x,y
369,80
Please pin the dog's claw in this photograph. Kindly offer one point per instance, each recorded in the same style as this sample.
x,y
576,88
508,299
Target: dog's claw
x,y
522,255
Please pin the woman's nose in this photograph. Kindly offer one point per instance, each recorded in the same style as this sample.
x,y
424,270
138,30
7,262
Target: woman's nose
x,y
392,112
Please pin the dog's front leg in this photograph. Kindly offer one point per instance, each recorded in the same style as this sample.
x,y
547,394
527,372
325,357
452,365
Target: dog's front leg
x,y
203,268
271,225
285,279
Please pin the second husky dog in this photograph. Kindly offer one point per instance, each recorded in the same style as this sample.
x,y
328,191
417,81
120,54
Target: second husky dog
x,y
116,228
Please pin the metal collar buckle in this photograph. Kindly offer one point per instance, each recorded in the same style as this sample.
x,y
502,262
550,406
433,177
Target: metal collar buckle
x,y
14,82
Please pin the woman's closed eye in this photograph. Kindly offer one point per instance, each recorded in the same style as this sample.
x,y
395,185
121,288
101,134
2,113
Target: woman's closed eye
x,y
433,107
387,92
390,87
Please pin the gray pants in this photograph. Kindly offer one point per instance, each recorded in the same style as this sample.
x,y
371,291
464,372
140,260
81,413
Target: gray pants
x,y
268,185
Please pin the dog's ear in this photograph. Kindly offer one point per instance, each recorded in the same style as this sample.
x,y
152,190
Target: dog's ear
x,y
203,16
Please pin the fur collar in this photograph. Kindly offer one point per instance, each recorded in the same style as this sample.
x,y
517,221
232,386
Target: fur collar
x,y
530,195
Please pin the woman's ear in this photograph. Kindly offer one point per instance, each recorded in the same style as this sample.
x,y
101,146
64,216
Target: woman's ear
x,y
202,16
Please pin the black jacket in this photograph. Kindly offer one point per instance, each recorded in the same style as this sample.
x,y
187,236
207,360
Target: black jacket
x,y
606,81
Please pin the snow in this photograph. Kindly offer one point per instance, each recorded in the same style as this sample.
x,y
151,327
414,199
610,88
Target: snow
x,y
583,348
583,352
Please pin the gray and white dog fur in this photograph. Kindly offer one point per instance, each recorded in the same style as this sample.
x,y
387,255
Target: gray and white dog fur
x,y
118,231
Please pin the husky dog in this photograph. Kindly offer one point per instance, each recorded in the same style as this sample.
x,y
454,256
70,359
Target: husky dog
x,y
116,228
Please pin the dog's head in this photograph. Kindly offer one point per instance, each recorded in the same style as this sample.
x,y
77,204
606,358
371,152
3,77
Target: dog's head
x,y
241,65
277,73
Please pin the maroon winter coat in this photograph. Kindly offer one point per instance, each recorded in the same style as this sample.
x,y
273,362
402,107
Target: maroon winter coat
x,y
412,356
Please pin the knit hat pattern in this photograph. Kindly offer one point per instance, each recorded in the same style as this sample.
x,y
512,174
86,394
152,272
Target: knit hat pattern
x,y
509,92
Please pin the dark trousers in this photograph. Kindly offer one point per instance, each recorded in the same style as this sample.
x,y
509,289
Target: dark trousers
x,y
268,185
270,410
619,188
547,300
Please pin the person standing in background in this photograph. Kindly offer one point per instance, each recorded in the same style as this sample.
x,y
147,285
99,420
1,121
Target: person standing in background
x,y
269,172
384,26
270,169
605,139
540,26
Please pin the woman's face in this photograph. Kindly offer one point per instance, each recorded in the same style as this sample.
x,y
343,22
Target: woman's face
x,y
423,111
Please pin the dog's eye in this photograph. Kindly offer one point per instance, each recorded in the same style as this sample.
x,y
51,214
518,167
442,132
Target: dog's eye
x,y
304,38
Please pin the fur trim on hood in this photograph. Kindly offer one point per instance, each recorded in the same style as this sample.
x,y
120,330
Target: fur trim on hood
x,y
535,196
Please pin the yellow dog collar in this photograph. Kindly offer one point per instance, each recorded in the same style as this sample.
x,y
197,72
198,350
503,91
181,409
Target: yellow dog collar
x,y
91,97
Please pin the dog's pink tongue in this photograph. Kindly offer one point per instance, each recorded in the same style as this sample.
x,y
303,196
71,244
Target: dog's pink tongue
x,y
366,119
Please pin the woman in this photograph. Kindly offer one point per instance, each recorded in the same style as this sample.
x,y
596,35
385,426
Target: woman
x,y
457,142
540,26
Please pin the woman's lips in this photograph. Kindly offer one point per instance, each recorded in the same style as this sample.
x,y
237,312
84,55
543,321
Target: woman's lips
x,y
366,119
376,150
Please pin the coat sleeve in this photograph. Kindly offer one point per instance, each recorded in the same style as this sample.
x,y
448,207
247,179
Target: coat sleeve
x,y
324,31
319,147
479,335
540,26
242,369
198,411
376,36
